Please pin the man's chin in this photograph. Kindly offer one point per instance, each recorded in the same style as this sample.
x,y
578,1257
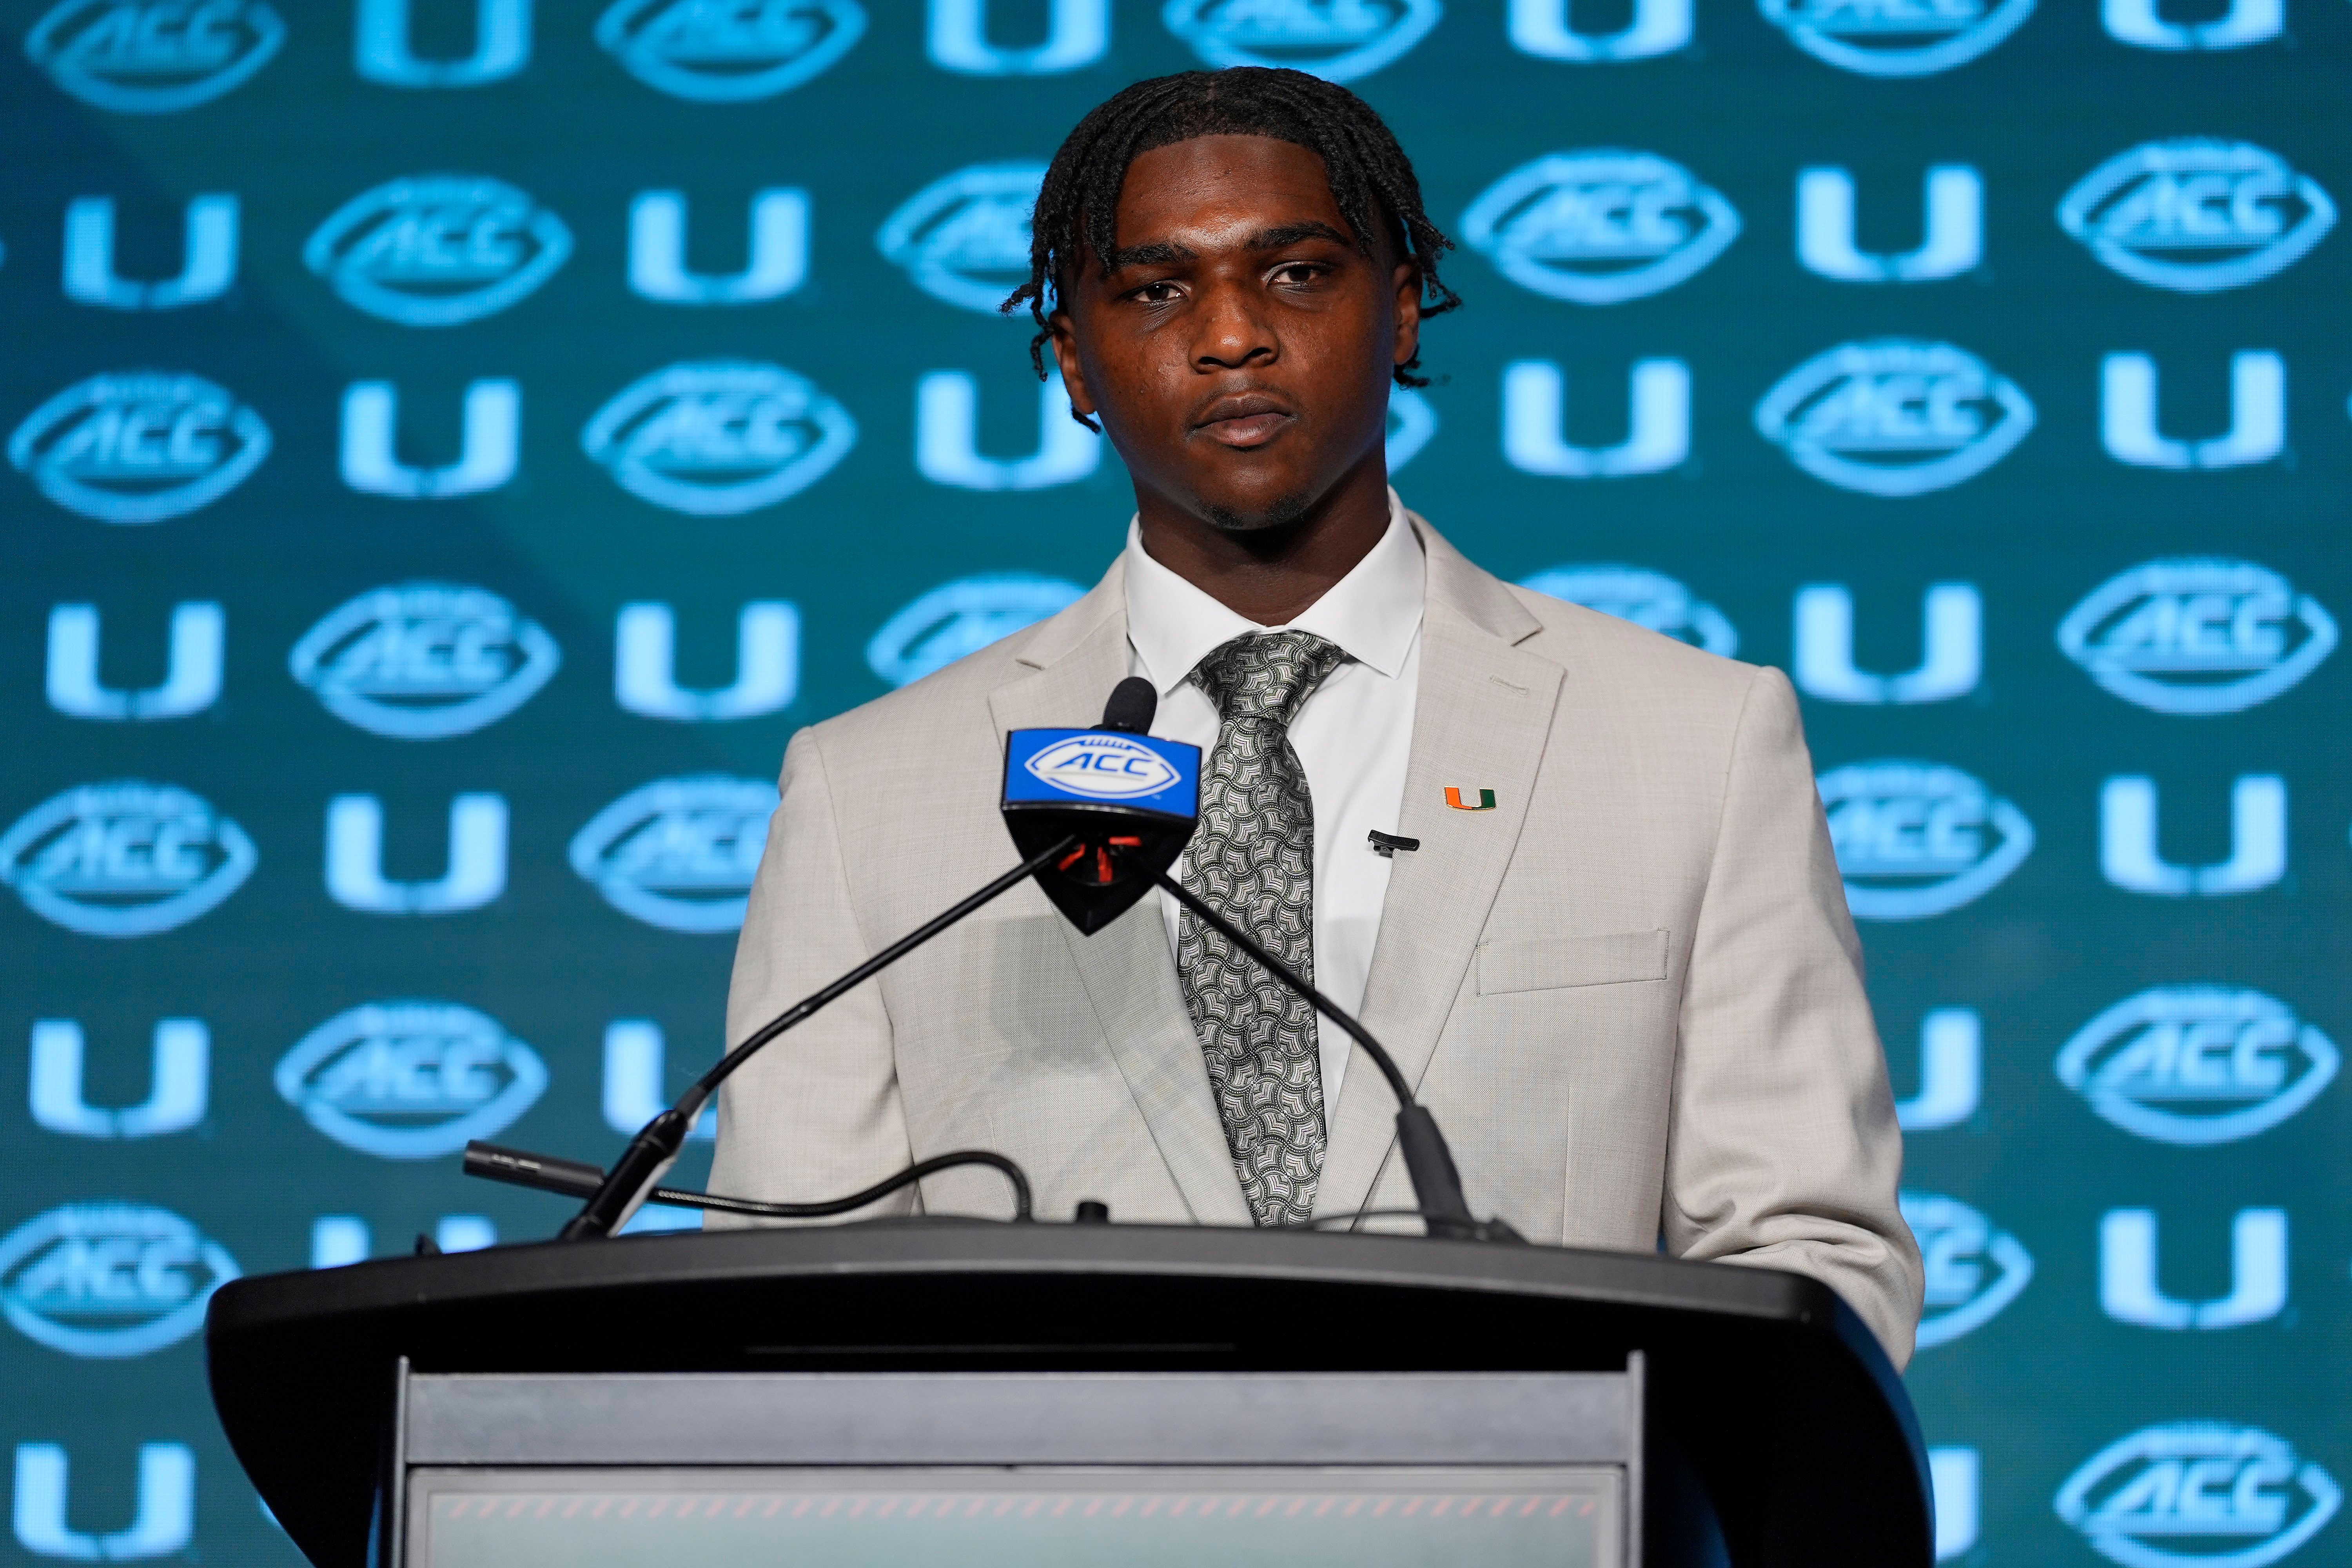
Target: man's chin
x,y
1256,517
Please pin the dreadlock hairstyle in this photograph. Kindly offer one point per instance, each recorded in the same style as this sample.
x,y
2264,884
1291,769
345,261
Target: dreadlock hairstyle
x,y
1371,179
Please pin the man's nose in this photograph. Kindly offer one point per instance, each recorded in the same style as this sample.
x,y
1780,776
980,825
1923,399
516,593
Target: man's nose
x,y
1233,332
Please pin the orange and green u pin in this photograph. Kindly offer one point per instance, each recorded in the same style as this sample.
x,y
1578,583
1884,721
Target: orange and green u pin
x,y
1453,798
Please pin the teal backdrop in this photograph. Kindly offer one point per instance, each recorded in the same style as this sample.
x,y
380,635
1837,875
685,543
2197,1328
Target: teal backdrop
x,y
452,446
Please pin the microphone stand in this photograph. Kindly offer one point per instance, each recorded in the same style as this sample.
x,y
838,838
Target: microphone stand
x,y
655,1148
1436,1184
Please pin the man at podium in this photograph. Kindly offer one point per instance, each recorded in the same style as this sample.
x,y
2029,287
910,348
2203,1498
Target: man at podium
x,y
1573,873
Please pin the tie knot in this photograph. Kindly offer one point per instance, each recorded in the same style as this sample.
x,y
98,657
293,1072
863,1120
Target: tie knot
x,y
1267,677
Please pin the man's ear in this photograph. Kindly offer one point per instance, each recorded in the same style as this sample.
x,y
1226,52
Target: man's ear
x,y
1066,355
1408,313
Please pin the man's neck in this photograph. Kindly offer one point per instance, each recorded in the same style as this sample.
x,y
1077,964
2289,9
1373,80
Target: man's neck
x,y
1271,575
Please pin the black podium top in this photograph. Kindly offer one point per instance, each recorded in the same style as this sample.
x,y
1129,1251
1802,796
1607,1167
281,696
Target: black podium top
x,y
1779,1398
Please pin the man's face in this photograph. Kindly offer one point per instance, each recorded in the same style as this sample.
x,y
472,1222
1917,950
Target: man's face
x,y
1239,354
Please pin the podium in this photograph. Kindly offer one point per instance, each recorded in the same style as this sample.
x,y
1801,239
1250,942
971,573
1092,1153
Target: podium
x,y
933,1391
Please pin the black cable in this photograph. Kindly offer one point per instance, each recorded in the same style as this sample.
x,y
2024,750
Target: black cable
x,y
1022,1210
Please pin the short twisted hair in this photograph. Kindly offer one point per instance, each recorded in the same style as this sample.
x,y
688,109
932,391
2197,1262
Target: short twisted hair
x,y
1371,179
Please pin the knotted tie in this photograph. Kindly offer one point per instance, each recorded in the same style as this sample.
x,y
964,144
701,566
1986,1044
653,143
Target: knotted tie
x,y
1253,859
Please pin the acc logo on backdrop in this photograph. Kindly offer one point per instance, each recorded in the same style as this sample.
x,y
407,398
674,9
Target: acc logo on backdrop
x,y
156,57
2198,1493
1646,598
726,54
1915,839
108,1279
1599,227
419,661
962,617
964,237
2197,1063
1897,37
139,446
1973,1270
1894,417
433,250
715,437
1337,40
410,1081
2197,636
679,853
2197,214
124,858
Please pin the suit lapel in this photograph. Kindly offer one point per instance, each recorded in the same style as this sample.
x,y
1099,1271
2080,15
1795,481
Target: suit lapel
x,y
1062,677
1481,721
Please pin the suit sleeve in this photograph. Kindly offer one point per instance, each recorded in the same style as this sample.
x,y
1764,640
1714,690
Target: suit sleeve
x,y
816,1114
1783,1150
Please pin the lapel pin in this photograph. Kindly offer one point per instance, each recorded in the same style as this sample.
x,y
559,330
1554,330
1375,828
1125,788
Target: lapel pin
x,y
1453,798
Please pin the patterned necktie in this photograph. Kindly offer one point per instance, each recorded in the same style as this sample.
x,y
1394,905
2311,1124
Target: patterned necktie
x,y
1253,859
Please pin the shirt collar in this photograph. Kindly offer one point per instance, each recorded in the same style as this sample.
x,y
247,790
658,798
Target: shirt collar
x,y
1372,614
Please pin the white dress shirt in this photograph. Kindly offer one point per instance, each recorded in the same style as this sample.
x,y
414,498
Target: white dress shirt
x,y
1353,735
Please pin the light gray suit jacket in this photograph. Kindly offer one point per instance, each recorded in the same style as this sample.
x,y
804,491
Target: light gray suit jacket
x,y
1631,992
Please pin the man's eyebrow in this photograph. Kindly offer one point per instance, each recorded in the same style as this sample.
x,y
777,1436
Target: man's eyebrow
x,y
1292,233
1158,253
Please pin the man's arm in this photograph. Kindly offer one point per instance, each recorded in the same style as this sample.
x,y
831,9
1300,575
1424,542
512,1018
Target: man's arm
x,y
816,1113
1783,1148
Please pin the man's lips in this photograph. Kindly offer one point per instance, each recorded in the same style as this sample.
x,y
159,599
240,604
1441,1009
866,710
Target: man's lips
x,y
1248,419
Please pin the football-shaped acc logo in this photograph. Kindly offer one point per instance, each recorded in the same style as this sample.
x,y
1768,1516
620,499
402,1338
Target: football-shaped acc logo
x,y
679,853
139,446
2197,214
1600,226
418,661
962,617
108,1279
1337,40
1646,598
964,237
1102,766
1894,417
2197,636
2197,1063
1973,1269
410,1081
151,57
1897,37
125,858
433,250
2198,1494
716,437
727,54
1915,839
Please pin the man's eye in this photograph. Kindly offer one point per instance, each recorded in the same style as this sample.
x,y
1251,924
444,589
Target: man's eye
x,y
1298,272
1157,293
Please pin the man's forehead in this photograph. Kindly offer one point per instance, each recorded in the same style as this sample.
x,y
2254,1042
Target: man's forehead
x,y
1227,192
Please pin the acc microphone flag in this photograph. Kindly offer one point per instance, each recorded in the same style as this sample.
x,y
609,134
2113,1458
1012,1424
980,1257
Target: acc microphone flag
x,y
1130,802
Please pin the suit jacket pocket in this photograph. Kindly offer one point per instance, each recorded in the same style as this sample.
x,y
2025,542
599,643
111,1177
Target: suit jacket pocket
x,y
1546,963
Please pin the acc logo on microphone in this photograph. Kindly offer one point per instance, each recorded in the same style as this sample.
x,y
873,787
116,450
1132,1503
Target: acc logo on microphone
x,y
410,1081
125,858
109,1279
1973,1269
1897,37
2196,1065
1102,767
1337,40
433,250
715,437
1598,227
139,446
2197,214
964,237
2191,635
727,54
1646,598
2198,1493
962,617
679,853
1894,417
156,57
419,661
1915,839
